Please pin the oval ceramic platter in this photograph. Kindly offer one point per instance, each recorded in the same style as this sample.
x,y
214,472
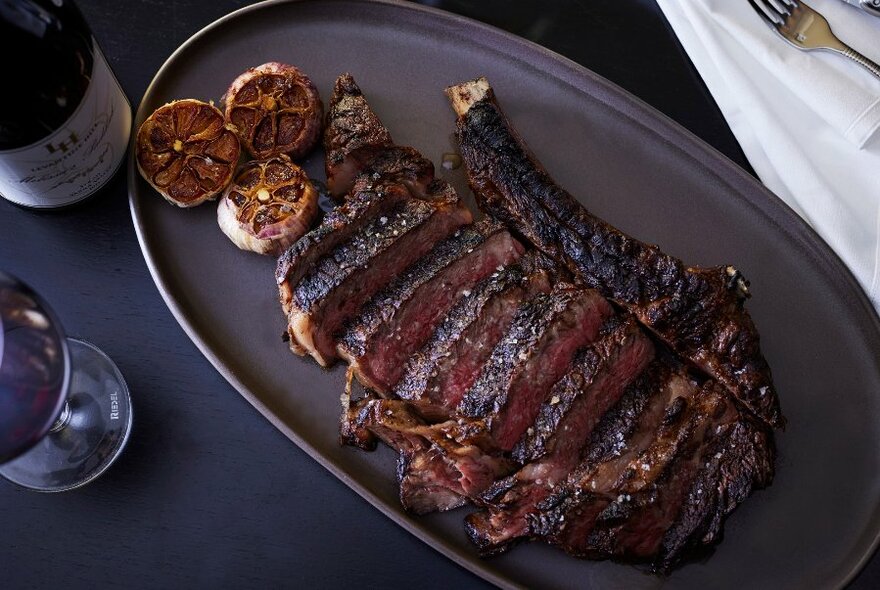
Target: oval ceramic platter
x,y
629,164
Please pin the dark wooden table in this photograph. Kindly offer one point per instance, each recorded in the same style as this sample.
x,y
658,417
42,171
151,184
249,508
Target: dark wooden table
x,y
208,493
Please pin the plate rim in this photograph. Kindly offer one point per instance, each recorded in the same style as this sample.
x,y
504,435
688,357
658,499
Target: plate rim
x,y
779,214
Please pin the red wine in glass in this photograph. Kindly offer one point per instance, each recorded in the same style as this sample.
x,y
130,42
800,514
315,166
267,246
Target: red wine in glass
x,y
65,410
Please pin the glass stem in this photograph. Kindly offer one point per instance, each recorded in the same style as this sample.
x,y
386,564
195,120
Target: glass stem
x,y
63,419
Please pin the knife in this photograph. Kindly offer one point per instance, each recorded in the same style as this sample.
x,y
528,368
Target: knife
x,y
872,7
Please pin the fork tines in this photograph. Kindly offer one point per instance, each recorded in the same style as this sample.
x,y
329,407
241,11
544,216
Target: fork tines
x,y
773,11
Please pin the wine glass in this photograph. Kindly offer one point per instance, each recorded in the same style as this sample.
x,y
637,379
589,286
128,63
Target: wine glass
x,y
65,410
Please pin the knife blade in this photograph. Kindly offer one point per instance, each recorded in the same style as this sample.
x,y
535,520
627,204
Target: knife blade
x,y
872,7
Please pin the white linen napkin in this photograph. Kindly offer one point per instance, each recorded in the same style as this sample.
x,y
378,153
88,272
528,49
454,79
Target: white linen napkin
x,y
808,122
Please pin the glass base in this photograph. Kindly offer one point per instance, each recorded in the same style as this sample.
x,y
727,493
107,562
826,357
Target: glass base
x,y
90,433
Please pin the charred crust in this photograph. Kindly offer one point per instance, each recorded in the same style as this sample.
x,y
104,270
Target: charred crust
x,y
337,225
421,367
382,306
353,254
697,312
615,335
488,394
674,412
475,530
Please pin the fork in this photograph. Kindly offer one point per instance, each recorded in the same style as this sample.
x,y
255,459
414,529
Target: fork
x,y
806,29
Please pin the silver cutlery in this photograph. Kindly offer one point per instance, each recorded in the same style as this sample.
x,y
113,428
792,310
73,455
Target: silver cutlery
x,y
806,29
869,6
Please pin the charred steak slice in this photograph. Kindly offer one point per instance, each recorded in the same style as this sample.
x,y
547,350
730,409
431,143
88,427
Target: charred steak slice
x,y
649,502
738,460
568,516
356,142
595,382
351,129
337,227
634,526
335,288
403,164
697,311
552,447
533,355
400,318
443,461
450,361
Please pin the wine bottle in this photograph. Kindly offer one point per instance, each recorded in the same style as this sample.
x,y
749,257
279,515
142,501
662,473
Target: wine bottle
x,y
64,118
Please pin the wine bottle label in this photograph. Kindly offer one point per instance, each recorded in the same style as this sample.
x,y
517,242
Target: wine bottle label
x,y
80,156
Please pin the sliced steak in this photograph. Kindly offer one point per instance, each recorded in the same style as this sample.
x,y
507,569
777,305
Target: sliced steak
x,y
337,227
449,363
738,461
533,355
356,142
666,486
697,311
443,461
399,319
568,515
336,287
402,164
633,526
352,131
552,447
595,382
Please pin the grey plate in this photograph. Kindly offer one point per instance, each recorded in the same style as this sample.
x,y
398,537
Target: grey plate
x,y
814,527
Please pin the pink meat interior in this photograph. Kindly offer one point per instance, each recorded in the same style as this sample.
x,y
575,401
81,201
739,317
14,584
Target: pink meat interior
x,y
389,349
573,432
575,327
345,301
571,435
458,371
